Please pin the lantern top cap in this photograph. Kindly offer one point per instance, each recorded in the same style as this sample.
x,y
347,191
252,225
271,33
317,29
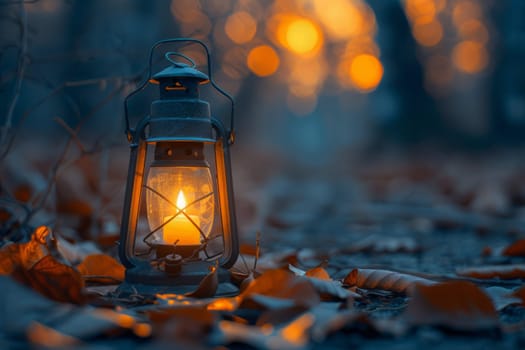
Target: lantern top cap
x,y
180,70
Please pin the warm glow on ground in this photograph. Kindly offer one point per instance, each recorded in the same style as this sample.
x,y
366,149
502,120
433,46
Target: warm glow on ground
x,y
263,61
470,57
428,34
240,27
295,332
142,330
302,36
366,72
341,18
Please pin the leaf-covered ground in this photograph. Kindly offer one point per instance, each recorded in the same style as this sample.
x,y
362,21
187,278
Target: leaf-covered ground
x,y
397,252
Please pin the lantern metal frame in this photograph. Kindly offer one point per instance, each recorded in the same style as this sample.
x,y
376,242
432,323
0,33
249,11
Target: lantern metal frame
x,y
140,275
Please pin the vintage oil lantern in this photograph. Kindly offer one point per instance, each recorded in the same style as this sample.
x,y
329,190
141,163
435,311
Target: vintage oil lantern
x,y
179,216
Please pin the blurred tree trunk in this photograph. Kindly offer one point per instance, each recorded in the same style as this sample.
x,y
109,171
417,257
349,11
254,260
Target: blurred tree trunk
x,y
412,116
508,78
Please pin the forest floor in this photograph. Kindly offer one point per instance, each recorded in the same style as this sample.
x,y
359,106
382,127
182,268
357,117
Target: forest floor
x,y
402,252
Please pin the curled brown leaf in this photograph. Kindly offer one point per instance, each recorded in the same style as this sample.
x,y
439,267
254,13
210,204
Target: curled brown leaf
x,y
208,286
459,305
493,271
280,285
517,248
101,268
53,280
384,279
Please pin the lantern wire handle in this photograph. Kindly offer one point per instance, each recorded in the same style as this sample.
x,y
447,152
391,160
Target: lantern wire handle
x,y
130,132
168,55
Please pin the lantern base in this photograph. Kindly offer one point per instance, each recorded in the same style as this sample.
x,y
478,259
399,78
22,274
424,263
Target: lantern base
x,y
145,280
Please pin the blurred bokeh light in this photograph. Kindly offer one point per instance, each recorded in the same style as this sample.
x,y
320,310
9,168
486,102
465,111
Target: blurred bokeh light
x,y
312,78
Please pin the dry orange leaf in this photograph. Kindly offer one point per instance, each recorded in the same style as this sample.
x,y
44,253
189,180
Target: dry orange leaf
x,y
515,249
291,336
208,286
25,255
384,279
520,293
31,264
318,272
458,305
281,285
101,268
54,280
493,271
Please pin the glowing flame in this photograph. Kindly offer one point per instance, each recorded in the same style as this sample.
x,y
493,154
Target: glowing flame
x,y
181,200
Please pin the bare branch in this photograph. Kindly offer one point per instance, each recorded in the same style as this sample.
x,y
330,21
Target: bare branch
x,y
60,163
22,60
16,2
72,133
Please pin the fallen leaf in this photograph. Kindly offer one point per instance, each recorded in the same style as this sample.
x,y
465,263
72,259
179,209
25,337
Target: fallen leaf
x,y
520,293
324,285
101,268
329,319
278,317
208,286
293,336
329,289
30,264
23,308
25,255
458,305
188,327
384,279
515,249
270,261
224,304
53,280
46,337
502,297
269,302
9,258
297,271
493,271
319,273
281,285
75,253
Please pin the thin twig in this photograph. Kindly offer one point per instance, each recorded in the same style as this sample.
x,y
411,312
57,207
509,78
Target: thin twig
x,y
257,249
22,60
59,163
72,133
53,92
16,2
